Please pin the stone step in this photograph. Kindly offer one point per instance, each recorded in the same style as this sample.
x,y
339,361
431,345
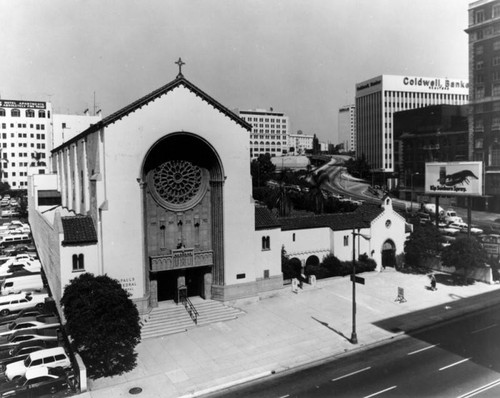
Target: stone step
x,y
171,318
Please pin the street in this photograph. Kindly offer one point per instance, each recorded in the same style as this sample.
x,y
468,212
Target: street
x,y
455,359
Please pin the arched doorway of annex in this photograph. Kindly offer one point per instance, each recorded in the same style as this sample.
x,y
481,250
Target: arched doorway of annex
x,y
388,254
183,180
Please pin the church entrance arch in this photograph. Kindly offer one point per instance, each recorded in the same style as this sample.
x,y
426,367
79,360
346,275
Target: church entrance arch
x,y
183,197
388,254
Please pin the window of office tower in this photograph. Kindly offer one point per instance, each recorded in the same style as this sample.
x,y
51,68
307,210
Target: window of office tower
x,y
479,16
496,11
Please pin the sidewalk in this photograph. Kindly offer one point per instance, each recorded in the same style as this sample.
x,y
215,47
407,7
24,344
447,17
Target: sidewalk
x,y
289,330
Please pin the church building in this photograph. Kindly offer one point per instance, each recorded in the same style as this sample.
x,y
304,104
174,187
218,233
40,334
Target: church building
x,y
164,186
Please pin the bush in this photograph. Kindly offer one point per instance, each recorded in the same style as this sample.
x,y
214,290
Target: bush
x,y
332,266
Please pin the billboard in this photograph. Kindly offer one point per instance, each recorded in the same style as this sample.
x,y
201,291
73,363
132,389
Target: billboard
x,y
454,178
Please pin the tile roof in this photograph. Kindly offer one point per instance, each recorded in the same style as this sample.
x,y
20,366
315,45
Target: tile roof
x,y
78,230
264,219
179,81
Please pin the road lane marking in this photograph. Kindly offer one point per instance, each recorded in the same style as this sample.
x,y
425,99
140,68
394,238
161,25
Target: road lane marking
x,y
285,396
480,389
380,392
454,364
353,373
485,328
423,349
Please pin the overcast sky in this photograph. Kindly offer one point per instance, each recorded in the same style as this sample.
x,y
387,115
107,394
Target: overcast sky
x,y
301,57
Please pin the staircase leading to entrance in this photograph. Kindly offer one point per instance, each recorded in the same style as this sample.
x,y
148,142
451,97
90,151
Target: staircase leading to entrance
x,y
169,318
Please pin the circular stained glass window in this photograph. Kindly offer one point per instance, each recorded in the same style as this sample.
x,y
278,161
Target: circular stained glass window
x,y
178,184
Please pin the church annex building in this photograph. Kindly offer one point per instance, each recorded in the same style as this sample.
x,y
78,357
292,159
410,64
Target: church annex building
x,y
158,195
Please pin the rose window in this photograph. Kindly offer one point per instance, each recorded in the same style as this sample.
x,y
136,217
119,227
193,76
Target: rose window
x,y
178,184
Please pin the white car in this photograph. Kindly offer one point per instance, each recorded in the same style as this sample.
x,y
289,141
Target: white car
x,y
18,302
50,358
461,226
475,230
449,231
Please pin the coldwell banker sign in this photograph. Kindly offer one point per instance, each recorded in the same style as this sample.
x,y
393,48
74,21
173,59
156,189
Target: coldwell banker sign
x,y
454,178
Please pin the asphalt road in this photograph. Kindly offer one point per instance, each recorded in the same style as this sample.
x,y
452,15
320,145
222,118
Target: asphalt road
x,y
455,359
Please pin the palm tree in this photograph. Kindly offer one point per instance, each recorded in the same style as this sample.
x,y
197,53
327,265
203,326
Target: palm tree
x,y
316,181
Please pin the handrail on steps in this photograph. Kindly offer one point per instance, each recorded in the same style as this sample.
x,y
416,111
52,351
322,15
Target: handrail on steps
x,y
188,305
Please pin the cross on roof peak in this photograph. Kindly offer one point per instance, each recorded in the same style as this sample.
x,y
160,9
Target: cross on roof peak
x,y
180,63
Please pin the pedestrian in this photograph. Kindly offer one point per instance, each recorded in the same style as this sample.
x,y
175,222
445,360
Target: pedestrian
x,y
433,282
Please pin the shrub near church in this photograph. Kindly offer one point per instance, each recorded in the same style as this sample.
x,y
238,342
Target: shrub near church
x,y
103,323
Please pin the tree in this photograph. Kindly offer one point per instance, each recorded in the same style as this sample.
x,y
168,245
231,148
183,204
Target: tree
x,y
103,323
4,188
316,181
23,206
424,244
464,253
316,147
262,170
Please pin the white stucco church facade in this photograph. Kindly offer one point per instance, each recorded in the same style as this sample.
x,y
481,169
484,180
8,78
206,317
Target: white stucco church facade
x,y
158,195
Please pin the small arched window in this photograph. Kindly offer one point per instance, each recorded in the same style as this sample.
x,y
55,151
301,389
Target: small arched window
x,y
41,114
78,264
30,113
15,113
2,112
266,243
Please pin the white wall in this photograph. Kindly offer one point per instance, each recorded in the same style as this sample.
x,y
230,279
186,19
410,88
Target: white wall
x,y
127,143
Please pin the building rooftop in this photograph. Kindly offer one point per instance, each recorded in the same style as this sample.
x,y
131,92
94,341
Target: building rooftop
x,y
78,230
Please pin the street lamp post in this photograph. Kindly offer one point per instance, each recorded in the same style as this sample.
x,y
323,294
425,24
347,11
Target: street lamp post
x,y
354,336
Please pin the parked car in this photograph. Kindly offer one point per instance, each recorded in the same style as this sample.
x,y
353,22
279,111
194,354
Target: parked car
x,y
424,218
23,283
24,313
51,358
461,226
40,322
11,351
19,353
17,302
36,382
450,216
23,336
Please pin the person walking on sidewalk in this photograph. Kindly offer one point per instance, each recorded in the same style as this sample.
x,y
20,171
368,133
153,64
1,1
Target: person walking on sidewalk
x,y
433,282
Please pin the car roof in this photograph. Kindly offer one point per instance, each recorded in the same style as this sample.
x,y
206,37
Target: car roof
x,y
48,351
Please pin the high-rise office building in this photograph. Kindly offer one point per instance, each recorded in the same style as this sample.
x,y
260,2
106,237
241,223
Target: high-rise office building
x,y
378,98
24,140
269,132
484,93
347,128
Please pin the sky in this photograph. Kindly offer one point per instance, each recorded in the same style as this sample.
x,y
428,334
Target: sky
x,y
300,57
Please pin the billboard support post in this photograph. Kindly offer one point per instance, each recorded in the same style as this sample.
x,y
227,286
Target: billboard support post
x,y
469,214
437,211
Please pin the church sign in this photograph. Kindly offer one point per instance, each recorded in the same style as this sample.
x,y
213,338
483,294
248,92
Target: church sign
x,y
454,178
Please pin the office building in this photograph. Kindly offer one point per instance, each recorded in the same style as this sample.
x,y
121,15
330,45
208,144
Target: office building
x,y
437,133
377,100
298,143
24,141
484,94
269,132
347,128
